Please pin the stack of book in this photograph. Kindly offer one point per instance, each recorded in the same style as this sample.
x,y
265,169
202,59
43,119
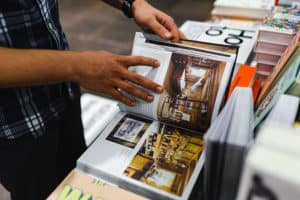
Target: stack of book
x,y
226,144
275,35
242,9
272,167
281,79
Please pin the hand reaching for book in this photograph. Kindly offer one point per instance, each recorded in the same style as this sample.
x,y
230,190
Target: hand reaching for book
x,y
107,73
152,20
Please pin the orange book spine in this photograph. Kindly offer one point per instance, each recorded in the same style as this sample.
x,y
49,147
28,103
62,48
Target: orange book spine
x,y
243,78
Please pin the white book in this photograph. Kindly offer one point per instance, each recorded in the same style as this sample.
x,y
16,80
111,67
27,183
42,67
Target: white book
x,y
255,4
227,141
255,9
284,112
225,32
279,138
270,174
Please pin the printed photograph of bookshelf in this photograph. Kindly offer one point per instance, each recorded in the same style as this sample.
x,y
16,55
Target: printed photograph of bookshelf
x,y
191,86
167,159
129,130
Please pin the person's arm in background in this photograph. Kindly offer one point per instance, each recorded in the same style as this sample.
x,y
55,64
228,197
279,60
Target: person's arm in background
x,y
151,19
99,71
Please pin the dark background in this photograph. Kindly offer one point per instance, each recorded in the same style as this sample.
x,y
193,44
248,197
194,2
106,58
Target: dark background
x,y
92,24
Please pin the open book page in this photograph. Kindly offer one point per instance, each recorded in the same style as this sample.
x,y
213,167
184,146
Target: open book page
x,y
147,157
156,74
194,80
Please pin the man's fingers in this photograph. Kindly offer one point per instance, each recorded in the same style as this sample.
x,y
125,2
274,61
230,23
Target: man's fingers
x,y
182,36
117,95
160,30
139,60
142,81
170,25
135,91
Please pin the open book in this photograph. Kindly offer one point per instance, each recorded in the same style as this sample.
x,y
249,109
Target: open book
x,y
156,149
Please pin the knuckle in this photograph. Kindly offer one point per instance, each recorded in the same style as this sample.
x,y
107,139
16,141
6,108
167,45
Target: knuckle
x,y
127,87
139,79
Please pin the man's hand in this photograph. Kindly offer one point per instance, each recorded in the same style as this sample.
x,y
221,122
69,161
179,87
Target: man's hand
x,y
152,20
107,73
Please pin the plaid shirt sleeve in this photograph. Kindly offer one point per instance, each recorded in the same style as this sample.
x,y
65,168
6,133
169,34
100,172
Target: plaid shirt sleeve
x,y
26,25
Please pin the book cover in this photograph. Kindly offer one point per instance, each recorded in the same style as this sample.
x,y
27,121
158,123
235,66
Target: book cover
x,y
79,186
225,33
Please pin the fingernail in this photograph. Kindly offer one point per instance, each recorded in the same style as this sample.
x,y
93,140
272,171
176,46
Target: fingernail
x,y
168,34
159,89
149,98
157,63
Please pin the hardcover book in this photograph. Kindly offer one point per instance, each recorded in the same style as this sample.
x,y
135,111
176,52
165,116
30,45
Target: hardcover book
x,y
155,149
271,169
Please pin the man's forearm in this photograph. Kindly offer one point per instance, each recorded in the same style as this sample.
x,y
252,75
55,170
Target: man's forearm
x,y
35,67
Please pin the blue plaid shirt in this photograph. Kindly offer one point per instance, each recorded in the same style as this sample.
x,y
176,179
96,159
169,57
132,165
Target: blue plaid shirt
x,y
31,24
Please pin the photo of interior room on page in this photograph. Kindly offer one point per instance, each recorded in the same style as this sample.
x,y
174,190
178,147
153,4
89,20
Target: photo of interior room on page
x,y
129,130
156,74
167,159
191,86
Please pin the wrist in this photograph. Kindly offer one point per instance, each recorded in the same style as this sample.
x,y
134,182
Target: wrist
x,y
76,62
135,5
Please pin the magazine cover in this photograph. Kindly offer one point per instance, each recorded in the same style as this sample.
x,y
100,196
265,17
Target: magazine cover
x,y
224,33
